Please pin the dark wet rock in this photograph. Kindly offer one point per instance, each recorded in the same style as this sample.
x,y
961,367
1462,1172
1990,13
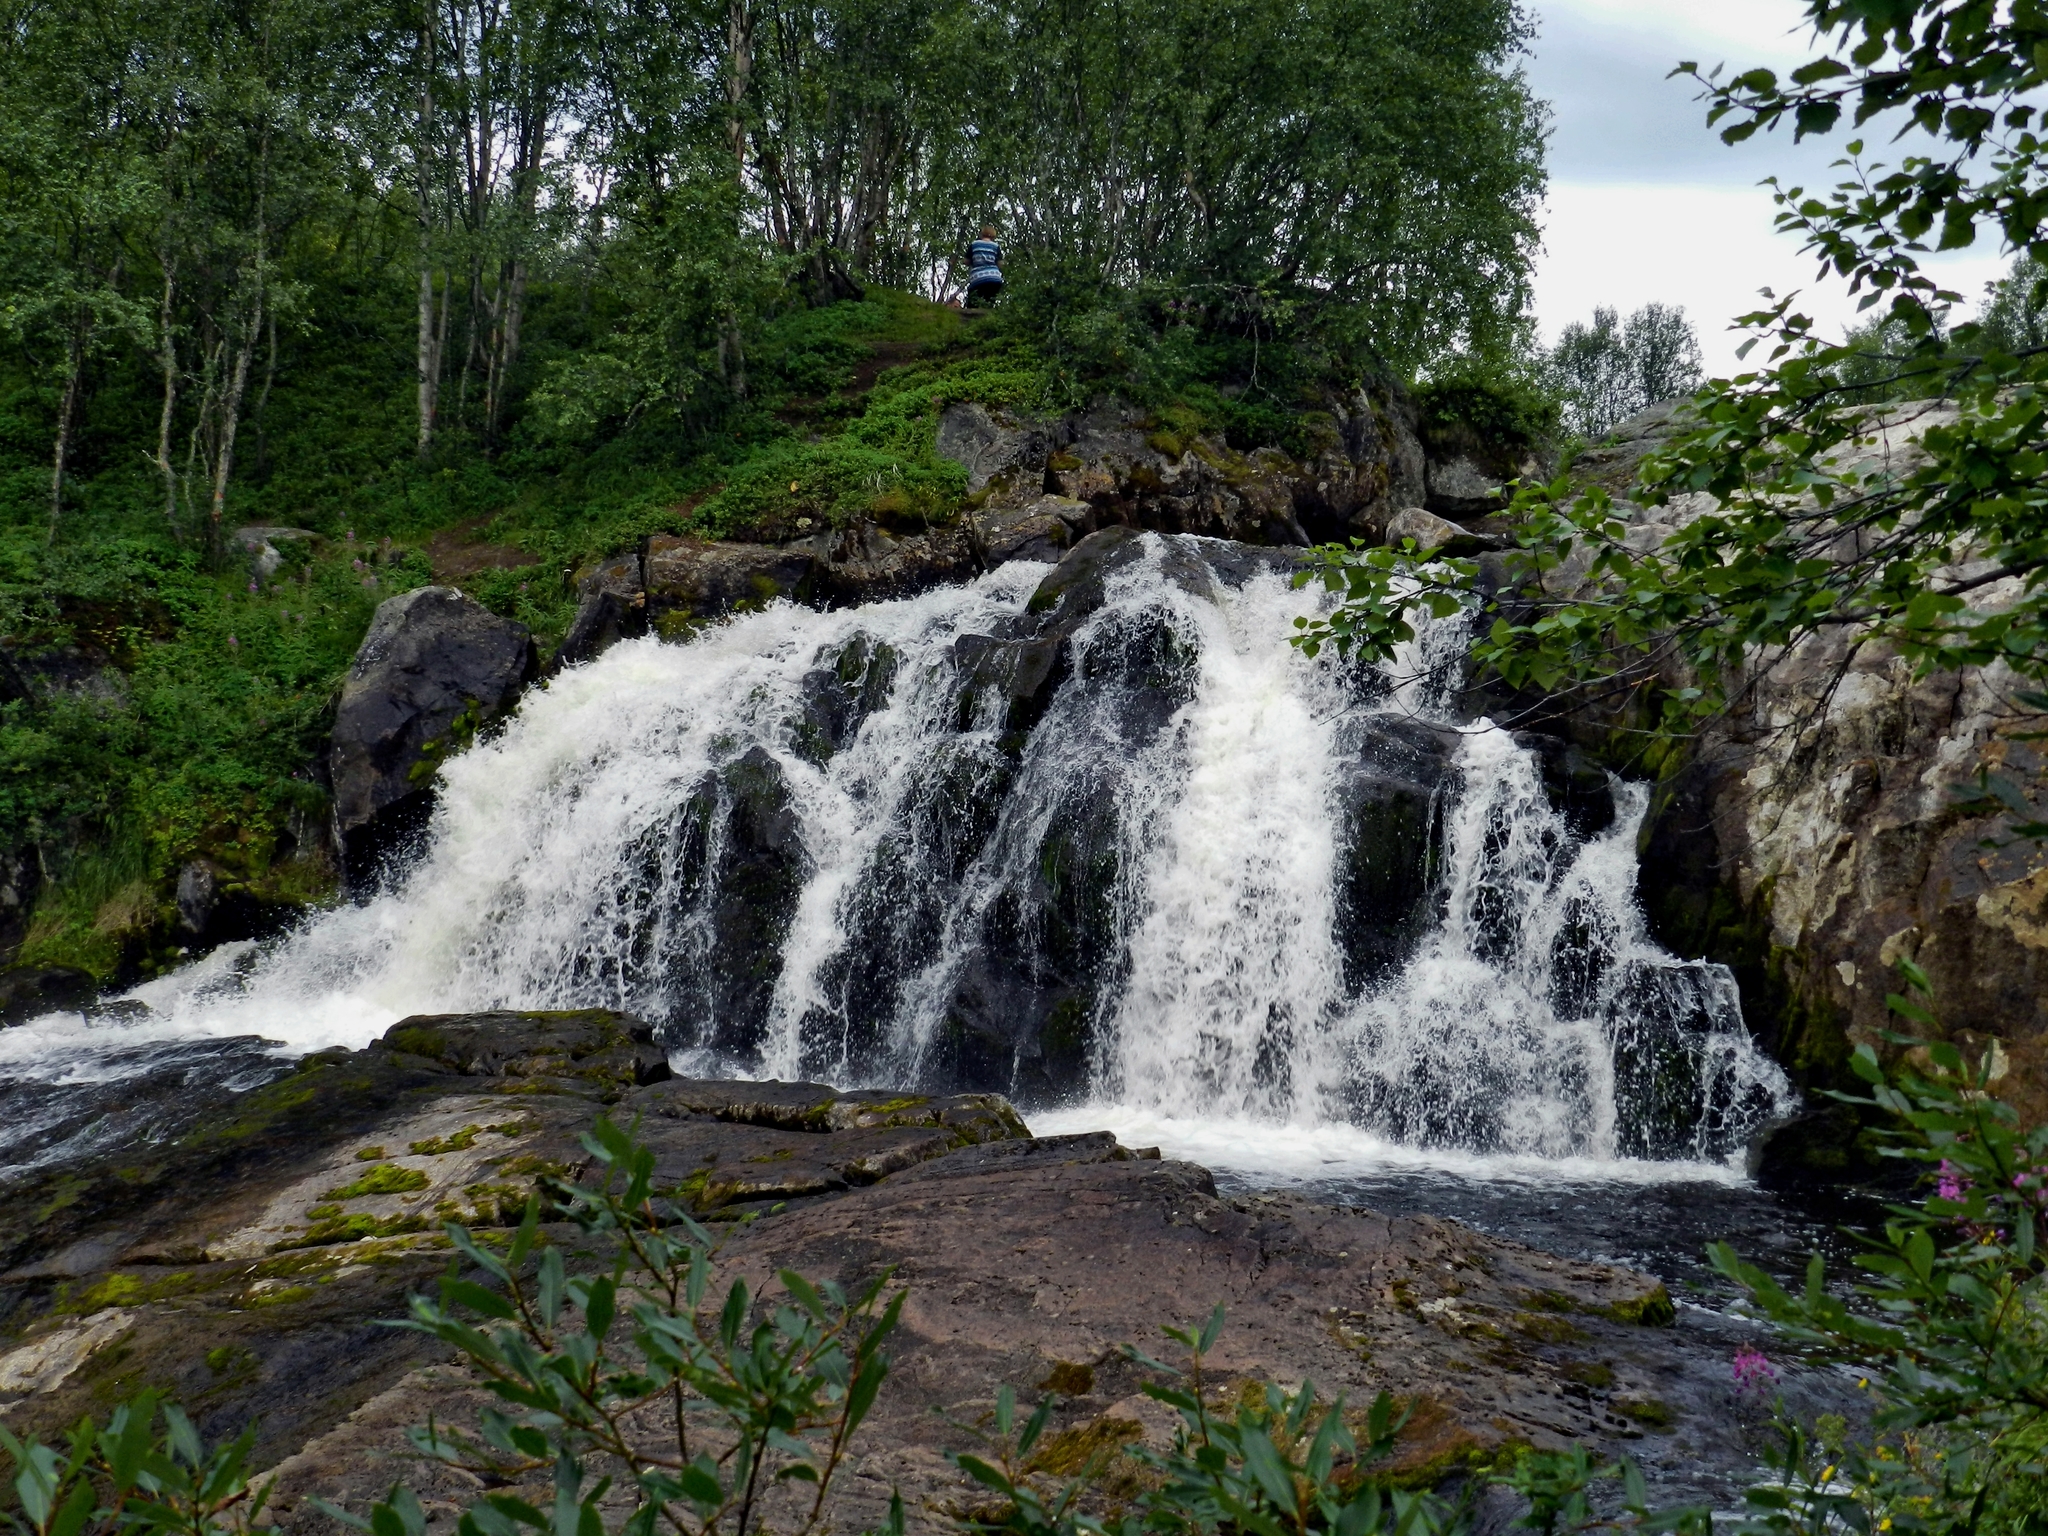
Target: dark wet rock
x,y
29,990
611,606
840,694
198,885
1579,789
1010,682
434,667
744,849
1392,788
591,1051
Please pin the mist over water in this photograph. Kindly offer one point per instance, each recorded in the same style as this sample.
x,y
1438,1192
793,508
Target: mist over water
x,y
811,844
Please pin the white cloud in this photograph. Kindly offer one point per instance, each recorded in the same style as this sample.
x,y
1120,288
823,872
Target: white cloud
x,y
1709,248
1646,204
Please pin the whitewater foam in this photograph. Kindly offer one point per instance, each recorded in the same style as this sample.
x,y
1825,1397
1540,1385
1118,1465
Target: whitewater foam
x,y
590,853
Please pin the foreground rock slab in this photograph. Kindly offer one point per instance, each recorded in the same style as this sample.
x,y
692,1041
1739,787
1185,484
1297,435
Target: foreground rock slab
x,y
246,1265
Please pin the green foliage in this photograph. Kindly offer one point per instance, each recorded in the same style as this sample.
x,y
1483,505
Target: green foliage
x,y
2012,319
1284,168
130,1476
1475,403
747,1403
1284,1464
179,723
1953,1329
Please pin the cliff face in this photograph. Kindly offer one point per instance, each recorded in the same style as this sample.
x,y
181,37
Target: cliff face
x,y
1815,836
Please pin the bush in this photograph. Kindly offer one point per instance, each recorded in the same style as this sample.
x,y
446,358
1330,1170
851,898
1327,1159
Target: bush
x,y
1497,411
1953,1335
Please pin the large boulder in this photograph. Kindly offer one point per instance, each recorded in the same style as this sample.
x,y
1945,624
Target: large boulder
x,y
434,667
992,450
1116,465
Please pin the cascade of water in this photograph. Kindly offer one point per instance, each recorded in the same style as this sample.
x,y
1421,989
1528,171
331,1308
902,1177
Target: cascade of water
x,y
1135,848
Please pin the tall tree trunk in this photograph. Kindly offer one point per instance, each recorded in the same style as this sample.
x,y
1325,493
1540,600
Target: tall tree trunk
x,y
60,458
739,72
511,305
167,359
231,408
429,360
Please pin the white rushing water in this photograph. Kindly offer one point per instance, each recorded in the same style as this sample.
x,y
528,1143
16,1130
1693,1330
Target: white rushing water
x,y
815,844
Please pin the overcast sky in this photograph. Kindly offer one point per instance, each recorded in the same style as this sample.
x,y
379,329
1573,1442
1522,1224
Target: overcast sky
x,y
1645,202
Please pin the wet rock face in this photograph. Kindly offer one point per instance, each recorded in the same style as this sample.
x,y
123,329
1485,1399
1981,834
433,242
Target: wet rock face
x,y
1393,793
246,1263
31,990
1815,837
434,665
742,839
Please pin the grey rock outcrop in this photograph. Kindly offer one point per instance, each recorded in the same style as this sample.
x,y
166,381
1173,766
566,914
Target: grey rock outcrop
x,y
611,606
260,545
1459,487
1815,836
198,888
989,449
434,662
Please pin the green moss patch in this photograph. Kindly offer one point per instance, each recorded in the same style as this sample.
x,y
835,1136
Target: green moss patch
x,y
1085,1447
349,1229
1652,1310
462,1140
384,1179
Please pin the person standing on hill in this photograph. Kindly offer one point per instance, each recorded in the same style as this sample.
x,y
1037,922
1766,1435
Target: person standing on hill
x,y
984,269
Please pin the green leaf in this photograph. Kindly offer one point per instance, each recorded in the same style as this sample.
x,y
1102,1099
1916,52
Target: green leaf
x,y
468,1293
601,1306
734,1316
1264,1464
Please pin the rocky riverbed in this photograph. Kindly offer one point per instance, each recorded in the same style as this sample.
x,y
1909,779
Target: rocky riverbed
x,y
246,1265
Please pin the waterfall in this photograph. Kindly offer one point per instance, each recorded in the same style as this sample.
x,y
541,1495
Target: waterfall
x,y
1112,843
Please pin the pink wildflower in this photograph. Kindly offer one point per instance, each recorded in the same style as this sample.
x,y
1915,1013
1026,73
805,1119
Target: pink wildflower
x,y
233,643
1951,1185
1753,1371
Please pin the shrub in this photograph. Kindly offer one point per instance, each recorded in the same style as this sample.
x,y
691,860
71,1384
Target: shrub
x,y
1953,1332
